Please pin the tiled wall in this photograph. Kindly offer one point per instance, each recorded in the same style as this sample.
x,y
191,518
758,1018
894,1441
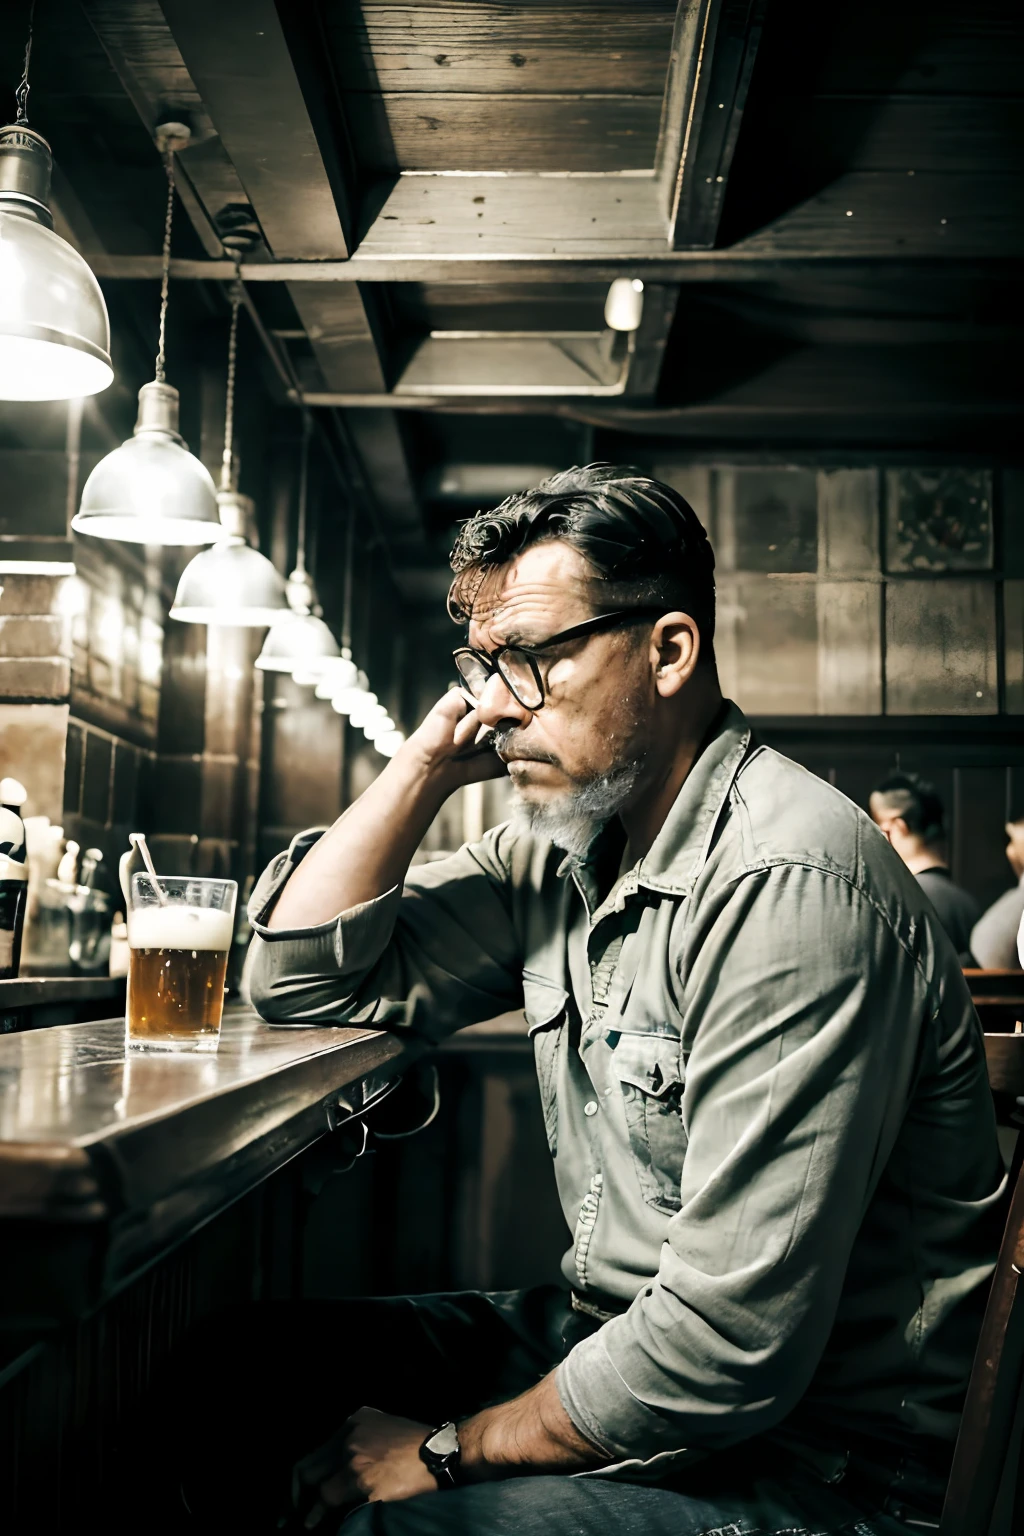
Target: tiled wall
x,y
895,590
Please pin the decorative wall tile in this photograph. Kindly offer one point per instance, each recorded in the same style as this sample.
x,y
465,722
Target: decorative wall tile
x,y
938,519
768,644
767,519
940,648
849,647
848,522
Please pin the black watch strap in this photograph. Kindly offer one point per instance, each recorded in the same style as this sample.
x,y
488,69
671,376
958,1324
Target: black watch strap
x,y
442,1454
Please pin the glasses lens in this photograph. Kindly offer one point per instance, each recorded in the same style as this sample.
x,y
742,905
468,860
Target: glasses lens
x,y
517,669
473,672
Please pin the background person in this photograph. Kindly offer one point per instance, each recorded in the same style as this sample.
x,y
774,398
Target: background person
x,y
994,935
910,813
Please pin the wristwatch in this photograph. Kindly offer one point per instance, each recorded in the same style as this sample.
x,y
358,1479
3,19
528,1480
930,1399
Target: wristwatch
x,y
442,1454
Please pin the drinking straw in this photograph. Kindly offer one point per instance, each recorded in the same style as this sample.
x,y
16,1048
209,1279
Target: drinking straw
x,y
138,840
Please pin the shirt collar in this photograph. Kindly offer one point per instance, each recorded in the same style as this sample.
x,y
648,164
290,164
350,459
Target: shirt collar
x,y
680,848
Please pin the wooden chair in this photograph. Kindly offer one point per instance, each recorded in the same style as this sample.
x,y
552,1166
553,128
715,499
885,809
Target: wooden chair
x,y
994,1390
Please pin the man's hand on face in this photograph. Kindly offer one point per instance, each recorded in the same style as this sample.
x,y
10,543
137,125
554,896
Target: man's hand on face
x,y
446,744
374,1458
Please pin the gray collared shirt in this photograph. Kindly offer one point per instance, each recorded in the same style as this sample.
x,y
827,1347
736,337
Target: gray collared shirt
x,y
764,1089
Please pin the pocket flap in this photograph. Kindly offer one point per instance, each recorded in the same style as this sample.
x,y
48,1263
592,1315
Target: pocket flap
x,y
648,1062
543,1001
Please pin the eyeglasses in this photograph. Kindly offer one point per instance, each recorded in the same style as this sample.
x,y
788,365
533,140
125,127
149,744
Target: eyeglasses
x,y
518,665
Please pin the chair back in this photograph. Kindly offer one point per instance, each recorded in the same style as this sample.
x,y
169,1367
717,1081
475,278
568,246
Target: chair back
x,y
998,1373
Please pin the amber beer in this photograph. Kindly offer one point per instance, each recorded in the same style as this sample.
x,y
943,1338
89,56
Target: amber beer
x,y
178,955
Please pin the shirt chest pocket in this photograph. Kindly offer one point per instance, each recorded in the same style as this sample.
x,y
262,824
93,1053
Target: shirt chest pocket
x,y
650,1071
544,1005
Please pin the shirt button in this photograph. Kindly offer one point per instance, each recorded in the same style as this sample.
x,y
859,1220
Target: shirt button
x,y
591,1108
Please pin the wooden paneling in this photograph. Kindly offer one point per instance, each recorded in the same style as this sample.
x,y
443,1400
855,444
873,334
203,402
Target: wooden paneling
x,y
979,814
462,132
940,647
421,307
1013,641
866,214
470,46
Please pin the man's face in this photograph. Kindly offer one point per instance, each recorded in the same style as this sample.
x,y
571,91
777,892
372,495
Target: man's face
x,y
599,696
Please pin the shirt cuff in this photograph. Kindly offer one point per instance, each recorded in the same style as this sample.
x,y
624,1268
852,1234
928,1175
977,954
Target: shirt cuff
x,y
602,1405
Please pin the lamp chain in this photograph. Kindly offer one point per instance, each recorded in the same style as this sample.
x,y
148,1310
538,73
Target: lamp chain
x,y
165,272
350,552
300,553
227,460
21,94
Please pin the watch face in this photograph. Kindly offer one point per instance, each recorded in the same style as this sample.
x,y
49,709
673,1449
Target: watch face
x,y
445,1442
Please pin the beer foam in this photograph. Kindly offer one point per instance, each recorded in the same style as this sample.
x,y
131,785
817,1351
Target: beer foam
x,y
179,927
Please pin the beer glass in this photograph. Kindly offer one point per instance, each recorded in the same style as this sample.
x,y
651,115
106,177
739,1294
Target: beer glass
x,y
177,958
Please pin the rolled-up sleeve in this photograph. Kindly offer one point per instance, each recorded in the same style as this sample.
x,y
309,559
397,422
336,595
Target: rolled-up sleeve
x,y
431,957
804,1013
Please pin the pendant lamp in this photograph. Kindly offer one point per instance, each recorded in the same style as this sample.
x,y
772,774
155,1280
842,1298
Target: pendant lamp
x,y
388,744
54,331
151,490
231,584
301,643
346,684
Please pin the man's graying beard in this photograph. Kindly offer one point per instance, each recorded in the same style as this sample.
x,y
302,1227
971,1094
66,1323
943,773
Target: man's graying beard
x,y
572,821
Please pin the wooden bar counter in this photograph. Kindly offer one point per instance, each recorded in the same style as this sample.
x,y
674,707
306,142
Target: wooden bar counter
x,y
138,1194
108,1159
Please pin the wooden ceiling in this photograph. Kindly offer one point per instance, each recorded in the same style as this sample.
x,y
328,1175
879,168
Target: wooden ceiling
x,y
823,203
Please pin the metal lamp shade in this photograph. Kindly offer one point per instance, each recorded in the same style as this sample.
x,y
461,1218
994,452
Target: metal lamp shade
x,y
54,331
230,584
339,674
301,642
151,490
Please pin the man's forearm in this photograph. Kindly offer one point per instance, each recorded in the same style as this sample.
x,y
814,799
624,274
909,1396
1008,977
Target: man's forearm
x,y
368,849
531,1434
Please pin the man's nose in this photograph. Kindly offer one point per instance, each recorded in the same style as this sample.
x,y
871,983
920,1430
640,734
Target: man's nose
x,y
498,703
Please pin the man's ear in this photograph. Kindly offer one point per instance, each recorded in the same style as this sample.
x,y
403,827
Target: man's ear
x,y
675,651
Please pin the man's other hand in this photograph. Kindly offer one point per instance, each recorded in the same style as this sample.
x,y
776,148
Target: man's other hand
x,y
374,1458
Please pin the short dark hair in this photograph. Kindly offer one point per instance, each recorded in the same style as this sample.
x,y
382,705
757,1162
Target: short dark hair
x,y
917,802
641,537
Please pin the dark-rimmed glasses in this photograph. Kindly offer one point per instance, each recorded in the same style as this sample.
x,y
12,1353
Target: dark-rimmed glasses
x,y
518,665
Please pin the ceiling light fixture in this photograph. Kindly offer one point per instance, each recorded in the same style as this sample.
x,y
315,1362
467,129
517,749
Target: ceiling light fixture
x,y
151,490
624,306
231,584
300,643
54,330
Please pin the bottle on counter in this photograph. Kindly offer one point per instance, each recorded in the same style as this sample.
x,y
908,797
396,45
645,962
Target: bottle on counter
x,y
119,946
13,876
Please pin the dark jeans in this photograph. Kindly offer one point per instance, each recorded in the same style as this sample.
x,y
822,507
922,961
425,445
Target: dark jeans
x,y
270,1382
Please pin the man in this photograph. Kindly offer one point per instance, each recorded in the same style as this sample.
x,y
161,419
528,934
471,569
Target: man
x,y
762,1079
994,937
911,816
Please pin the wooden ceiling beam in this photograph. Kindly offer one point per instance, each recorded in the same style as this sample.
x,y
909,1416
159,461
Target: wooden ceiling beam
x,y
735,265
713,51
